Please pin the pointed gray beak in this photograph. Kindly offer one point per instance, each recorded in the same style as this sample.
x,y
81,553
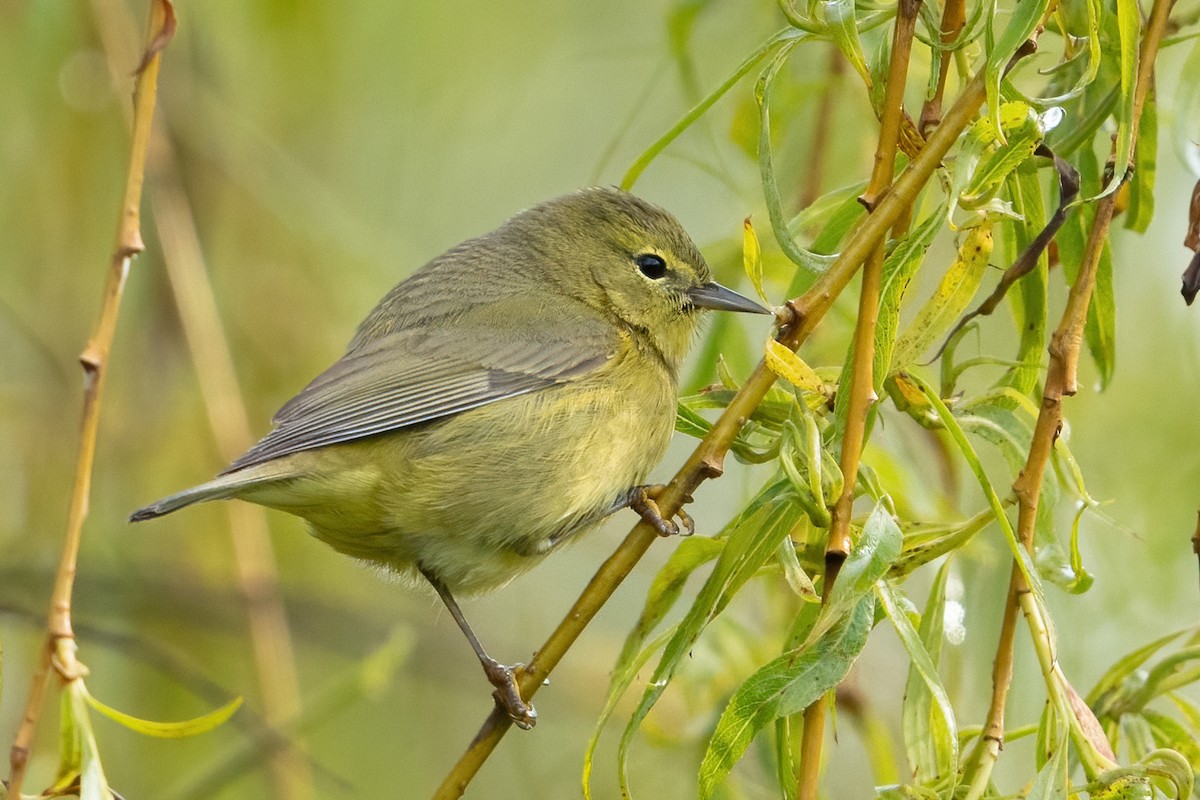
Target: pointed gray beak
x,y
719,298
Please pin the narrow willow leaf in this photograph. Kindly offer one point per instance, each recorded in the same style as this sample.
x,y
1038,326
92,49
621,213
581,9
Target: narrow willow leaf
x,y
1030,303
949,300
81,756
1145,165
785,363
1023,131
782,687
1171,733
689,421
873,554
168,730
1129,29
1024,20
752,260
842,28
924,543
794,573
809,260
930,730
1100,328
899,267
623,676
1053,781
785,768
652,152
955,430
1125,667
751,539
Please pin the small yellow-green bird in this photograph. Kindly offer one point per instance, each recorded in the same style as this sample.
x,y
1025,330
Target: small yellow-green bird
x,y
498,403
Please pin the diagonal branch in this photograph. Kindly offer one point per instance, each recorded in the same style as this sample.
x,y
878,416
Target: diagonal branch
x,y
708,459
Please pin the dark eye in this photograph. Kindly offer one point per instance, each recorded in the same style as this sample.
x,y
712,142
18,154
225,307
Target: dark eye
x,y
651,265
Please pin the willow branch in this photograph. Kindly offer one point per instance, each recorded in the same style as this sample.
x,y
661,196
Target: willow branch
x,y
707,461
862,384
954,19
1061,380
254,559
59,650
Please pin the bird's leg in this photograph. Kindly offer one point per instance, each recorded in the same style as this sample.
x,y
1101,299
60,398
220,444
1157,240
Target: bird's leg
x,y
507,694
644,500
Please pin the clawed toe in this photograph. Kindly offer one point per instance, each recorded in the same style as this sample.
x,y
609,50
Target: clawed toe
x,y
508,694
644,500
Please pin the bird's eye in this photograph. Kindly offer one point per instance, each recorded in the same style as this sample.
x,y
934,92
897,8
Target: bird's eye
x,y
651,265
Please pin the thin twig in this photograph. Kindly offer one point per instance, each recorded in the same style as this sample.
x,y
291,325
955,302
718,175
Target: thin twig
x,y
1065,344
862,386
708,458
954,18
59,649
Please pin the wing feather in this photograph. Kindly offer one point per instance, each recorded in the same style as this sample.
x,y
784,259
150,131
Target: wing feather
x,y
410,377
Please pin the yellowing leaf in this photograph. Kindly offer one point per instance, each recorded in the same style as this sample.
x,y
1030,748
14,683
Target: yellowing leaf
x,y
949,300
169,730
752,257
789,366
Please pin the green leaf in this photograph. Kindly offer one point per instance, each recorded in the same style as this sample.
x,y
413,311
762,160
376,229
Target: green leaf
x,y
972,458
1029,303
652,152
809,260
1125,668
930,730
168,730
79,758
1053,781
842,27
1145,164
751,539
1129,28
784,686
1024,20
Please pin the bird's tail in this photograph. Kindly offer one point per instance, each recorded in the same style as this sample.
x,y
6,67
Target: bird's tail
x,y
233,484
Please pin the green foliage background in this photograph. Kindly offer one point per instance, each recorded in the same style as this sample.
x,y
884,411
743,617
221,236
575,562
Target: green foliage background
x,y
327,151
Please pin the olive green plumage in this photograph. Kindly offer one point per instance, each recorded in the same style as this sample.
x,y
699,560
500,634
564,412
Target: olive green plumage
x,y
503,399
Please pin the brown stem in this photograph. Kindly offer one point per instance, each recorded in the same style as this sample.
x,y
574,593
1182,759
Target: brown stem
x,y
59,649
954,18
862,386
707,460
1065,345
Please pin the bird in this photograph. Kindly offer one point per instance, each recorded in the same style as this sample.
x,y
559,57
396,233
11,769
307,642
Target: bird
x,y
497,404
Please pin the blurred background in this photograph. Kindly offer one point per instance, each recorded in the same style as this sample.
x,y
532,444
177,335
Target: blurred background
x,y
322,152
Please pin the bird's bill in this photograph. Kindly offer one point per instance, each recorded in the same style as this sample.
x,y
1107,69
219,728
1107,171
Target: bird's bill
x,y
720,298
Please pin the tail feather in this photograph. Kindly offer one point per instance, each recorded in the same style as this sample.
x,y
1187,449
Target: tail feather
x,y
233,484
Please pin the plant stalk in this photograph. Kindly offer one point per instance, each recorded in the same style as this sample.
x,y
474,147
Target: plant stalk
x,y
59,650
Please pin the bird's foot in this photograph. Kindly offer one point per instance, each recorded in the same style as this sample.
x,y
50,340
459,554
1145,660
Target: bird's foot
x,y
644,500
508,694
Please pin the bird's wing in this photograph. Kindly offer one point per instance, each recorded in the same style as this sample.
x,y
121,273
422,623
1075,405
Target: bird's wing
x,y
411,376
